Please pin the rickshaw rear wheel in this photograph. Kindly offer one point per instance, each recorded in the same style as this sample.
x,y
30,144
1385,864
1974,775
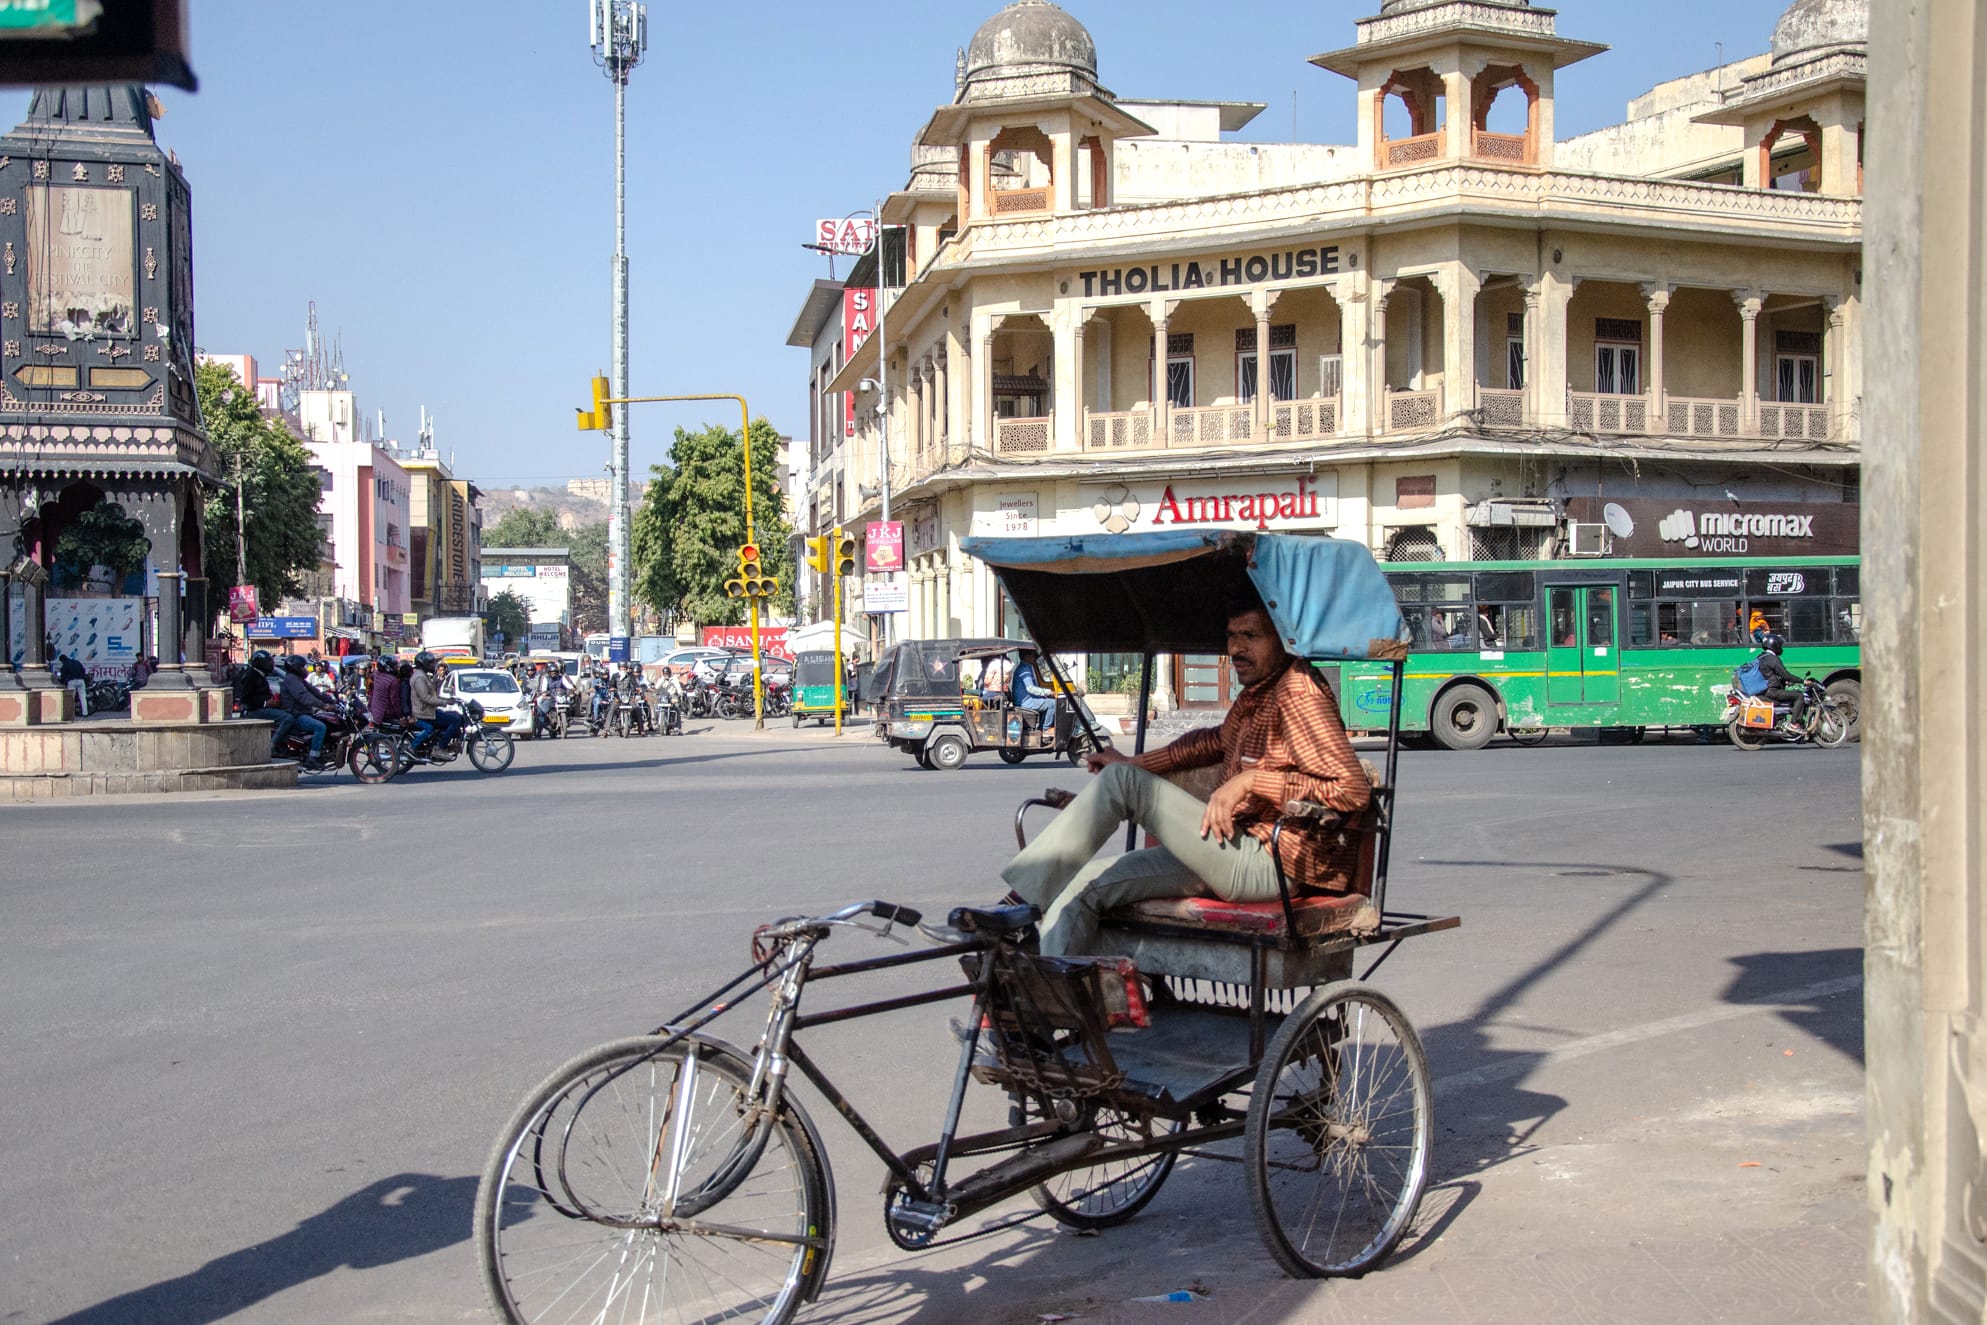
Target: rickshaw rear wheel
x,y
1340,1126
1013,756
1105,1195
946,753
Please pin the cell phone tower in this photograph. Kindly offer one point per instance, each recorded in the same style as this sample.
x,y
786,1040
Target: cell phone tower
x,y
619,35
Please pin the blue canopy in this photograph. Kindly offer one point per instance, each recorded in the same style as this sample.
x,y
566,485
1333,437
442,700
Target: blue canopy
x,y
1172,591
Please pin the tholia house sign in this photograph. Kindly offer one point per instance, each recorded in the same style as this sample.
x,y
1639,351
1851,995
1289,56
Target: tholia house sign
x,y
1304,501
1254,269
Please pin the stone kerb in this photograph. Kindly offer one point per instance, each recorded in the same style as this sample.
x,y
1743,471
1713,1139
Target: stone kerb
x,y
117,758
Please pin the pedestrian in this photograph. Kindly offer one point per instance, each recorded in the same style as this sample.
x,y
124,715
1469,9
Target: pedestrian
x,y
69,671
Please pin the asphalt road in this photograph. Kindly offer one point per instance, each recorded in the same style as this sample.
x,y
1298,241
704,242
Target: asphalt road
x,y
258,1046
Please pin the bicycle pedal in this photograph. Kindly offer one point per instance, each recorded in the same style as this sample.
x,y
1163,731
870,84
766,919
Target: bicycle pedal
x,y
920,1218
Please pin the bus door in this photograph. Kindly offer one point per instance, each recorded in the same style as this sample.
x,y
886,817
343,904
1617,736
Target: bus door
x,y
1583,664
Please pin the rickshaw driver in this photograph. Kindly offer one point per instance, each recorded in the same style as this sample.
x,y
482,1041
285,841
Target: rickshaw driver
x,y
1282,740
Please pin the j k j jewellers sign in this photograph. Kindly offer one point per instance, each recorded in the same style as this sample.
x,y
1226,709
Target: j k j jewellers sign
x,y
1303,501
1290,264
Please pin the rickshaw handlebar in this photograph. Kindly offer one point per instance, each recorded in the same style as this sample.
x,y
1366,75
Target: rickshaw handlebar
x,y
890,913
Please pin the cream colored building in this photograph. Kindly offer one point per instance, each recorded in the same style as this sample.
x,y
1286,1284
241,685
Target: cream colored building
x,y
1436,340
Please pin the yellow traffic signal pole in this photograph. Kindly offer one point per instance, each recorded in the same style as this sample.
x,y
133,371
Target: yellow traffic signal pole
x,y
745,439
837,581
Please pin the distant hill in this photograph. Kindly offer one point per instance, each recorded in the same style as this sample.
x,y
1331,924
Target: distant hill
x,y
574,509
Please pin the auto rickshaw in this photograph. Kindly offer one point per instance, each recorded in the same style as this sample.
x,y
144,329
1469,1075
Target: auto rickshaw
x,y
922,710
814,687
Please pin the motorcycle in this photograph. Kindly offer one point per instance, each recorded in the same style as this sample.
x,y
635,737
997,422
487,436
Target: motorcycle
x,y
384,753
1824,723
666,705
628,715
550,716
341,731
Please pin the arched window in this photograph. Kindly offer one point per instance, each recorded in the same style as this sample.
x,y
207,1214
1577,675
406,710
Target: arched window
x,y
1020,171
1421,113
1790,156
1414,543
1504,115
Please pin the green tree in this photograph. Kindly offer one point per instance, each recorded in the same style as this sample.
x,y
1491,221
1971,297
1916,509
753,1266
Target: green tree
x,y
280,491
103,536
523,527
509,614
589,575
692,520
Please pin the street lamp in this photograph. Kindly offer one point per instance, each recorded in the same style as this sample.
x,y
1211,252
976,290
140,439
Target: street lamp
x,y
619,36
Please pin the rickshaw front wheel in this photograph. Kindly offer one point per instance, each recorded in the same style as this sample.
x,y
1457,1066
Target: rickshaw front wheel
x,y
1338,1134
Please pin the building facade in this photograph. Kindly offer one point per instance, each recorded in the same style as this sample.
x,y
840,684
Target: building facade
x,y
1456,338
365,514
445,534
542,577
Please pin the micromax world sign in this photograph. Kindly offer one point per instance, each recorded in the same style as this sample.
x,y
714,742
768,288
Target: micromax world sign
x,y
1728,531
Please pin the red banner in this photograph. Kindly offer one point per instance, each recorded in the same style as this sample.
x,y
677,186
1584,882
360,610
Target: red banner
x,y
241,603
858,319
884,546
772,639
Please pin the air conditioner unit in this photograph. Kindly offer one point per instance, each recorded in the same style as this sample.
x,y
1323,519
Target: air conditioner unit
x,y
1586,540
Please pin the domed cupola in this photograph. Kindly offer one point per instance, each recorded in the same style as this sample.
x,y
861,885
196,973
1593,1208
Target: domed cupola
x,y
1811,28
1028,48
1390,7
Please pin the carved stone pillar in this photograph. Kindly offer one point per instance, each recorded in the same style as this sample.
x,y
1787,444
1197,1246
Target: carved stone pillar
x,y
1534,339
1749,302
9,679
1376,372
1162,416
1658,296
1459,290
1264,303
1834,364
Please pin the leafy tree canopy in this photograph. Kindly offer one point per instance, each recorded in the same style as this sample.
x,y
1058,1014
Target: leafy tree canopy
x,y
510,614
692,521
521,526
103,536
280,490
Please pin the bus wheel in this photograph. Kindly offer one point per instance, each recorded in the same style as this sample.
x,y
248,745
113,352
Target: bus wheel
x,y
1465,718
1848,696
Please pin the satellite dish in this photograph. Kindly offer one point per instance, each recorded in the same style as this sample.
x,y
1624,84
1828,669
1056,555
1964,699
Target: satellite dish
x,y
1619,522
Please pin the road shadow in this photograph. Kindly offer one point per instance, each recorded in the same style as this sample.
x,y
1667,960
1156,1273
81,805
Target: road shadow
x,y
1820,992
394,1219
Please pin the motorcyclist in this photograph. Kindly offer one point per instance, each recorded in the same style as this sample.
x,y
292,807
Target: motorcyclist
x,y
383,700
1781,687
255,694
425,691
306,707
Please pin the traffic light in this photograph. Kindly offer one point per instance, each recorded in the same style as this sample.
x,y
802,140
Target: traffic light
x,y
601,417
818,553
752,580
845,553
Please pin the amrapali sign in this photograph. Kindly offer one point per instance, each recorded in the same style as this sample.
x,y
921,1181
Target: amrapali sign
x,y
1260,502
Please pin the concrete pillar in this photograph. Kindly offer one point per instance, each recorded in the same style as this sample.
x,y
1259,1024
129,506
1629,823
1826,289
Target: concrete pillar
x,y
1834,363
1376,355
1162,412
1548,364
1924,523
1657,296
1534,331
1355,358
1749,303
9,679
1457,90
1066,405
1263,301
984,406
1459,287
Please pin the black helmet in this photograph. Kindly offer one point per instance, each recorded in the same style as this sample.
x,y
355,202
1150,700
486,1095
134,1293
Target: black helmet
x,y
294,662
262,662
404,671
1771,642
425,661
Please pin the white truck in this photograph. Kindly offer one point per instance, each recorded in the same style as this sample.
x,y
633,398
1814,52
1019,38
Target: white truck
x,y
454,636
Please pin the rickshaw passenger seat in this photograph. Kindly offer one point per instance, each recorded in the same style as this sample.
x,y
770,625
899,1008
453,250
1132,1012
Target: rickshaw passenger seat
x,y
993,919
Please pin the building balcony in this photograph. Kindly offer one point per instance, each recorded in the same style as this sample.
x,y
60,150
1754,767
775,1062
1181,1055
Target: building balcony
x,y
1420,149
1212,425
1032,436
1411,411
1514,148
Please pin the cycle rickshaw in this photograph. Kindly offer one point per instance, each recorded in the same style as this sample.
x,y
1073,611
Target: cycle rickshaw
x,y
676,1176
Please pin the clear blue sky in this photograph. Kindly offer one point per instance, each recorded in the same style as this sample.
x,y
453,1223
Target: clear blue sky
x,y
439,177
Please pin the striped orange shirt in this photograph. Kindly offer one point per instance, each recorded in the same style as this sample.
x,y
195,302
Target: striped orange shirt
x,y
1285,733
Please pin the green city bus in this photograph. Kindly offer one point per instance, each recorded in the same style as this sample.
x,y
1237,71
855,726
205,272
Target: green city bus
x,y
1623,643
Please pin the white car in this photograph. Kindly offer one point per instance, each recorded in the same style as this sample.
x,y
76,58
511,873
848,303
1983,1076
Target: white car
x,y
504,705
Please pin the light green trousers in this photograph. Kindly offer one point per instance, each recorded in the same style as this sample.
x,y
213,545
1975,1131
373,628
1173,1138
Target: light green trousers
x,y
1056,872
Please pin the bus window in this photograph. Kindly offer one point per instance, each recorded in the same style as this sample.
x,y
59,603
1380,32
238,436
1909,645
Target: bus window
x,y
1508,625
1847,614
1808,621
1440,628
1696,621
1600,616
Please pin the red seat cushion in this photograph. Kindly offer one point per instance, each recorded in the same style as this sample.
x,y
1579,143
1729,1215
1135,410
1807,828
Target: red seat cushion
x,y
1316,915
